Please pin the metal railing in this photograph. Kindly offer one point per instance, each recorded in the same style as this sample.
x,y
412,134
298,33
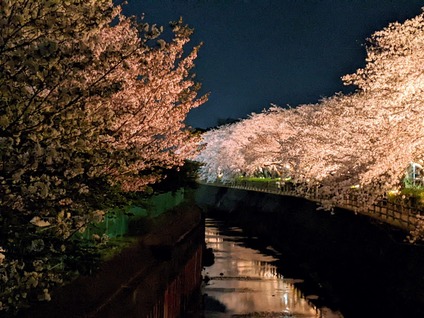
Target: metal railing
x,y
399,215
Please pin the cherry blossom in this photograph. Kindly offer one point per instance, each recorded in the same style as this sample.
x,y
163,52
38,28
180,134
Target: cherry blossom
x,y
357,144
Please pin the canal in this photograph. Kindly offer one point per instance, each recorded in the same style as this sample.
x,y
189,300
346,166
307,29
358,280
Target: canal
x,y
277,256
247,279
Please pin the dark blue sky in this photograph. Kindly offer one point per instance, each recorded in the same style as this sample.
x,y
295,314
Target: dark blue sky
x,y
285,52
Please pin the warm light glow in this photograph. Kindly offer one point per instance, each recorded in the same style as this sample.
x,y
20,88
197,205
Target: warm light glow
x,y
245,281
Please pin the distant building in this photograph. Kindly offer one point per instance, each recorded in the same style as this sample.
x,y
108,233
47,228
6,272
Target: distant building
x,y
414,176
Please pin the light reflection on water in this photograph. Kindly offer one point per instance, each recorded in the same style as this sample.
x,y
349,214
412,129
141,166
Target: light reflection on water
x,y
244,283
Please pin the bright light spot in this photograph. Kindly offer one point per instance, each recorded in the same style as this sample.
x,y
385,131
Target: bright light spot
x,y
286,299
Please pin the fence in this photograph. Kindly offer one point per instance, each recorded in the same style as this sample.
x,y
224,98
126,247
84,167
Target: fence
x,y
180,290
398,215
116,222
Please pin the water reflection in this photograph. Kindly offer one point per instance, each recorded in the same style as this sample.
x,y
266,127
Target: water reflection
x,y
243,282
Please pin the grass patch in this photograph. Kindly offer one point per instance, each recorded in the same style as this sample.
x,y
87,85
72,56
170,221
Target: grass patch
x,y
410,196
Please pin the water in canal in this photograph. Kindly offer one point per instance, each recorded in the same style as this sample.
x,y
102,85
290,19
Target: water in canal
x,y
245,280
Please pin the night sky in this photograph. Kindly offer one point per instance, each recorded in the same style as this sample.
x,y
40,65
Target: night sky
x,y
285,52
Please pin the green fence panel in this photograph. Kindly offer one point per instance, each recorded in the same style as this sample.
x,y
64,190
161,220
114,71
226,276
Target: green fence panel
x,y
116,221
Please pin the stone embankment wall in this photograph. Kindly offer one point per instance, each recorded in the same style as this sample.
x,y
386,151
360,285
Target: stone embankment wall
x,y
398,215
155,277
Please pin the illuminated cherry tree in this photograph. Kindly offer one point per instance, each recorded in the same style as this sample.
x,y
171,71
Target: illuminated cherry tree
x,y
359,143
148,111
254,145
388,106
91,104
262,151
393,83
212,147
85,101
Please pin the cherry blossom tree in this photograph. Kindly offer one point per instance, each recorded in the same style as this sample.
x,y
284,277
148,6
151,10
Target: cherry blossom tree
x,y
364,140
245,147
262,148
86,102
370,137
214,155
92,103
388,106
